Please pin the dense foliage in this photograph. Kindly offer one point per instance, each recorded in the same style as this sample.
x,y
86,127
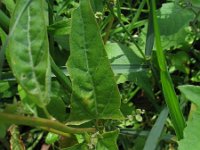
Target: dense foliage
x,y
92,74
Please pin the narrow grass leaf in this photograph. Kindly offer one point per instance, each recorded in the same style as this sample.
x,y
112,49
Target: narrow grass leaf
x,y
150,35
27,51
95,94
167,84
137,15
155,133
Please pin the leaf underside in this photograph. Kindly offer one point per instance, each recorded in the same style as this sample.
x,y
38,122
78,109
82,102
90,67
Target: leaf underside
x,y
27,51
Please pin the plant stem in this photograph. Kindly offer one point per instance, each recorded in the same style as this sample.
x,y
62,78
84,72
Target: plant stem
x,y
137,15
124,28
48,115
41,123
61,77
134,9
36,142
56,131
107,30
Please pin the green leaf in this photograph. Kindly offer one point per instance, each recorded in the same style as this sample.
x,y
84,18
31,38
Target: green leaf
x,y
108,141
191,92
2,35
120,54
3,129
51,138
27,51
4,90
179,60
97,5
10,5
57,107
155,133
195,3
174,21
95,94
60,28
122,57
4,21
124,61
29,105
191,134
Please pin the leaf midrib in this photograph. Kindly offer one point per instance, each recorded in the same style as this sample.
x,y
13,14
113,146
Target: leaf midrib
x,y
87,63
30,51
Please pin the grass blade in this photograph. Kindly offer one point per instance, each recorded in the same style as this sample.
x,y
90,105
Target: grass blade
x,y
150,36
155,133
167,85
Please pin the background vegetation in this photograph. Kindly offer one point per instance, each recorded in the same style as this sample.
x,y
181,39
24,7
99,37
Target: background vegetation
x,y
91,74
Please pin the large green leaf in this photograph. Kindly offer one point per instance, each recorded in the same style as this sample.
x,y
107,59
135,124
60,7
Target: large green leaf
x,y
174,25
174,22
27,51
195,3
95,94
129,67
191,134
191,92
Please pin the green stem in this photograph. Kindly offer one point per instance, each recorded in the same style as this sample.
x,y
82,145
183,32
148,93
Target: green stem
x,y
40,122
48,115
134,9
55,131
167,84
36,141
61,77
124,28
107,30
132,94
137,15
